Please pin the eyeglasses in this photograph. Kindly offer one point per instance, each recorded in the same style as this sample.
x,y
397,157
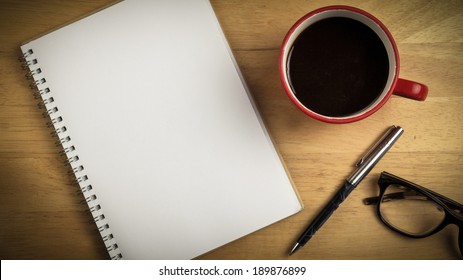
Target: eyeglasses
x,y
413,210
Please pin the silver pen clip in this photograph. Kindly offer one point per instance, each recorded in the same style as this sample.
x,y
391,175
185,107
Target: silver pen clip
x,y
374,154
370,153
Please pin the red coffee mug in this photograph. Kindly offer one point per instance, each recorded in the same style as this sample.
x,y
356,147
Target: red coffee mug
x,y
394,84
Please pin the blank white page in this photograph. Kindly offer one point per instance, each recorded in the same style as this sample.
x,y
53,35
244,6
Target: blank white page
x,y
161,120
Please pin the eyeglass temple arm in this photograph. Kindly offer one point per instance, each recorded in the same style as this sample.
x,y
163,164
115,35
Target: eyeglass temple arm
x,y
402,195
374,200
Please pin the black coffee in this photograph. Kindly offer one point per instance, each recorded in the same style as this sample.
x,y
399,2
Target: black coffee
x,y
337,67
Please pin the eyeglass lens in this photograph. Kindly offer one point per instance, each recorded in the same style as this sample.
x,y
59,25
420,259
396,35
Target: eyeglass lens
x,y
410,211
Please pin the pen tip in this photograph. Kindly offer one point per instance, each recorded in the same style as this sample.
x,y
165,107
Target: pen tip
x,y
295,249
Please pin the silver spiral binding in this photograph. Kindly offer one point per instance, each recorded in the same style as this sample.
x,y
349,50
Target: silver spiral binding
x,y
59,129
47,102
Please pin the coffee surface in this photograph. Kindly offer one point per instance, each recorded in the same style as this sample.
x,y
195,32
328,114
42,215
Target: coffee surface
x,y
337,67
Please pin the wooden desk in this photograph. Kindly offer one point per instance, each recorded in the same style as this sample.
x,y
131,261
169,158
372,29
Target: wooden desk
x,y
40,214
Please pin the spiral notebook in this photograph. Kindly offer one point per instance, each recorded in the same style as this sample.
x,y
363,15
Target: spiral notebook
x,y
159,129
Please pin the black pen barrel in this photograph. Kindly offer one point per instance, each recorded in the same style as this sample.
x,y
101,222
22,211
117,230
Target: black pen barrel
x,y
321,218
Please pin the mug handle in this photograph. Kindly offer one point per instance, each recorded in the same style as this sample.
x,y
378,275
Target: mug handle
x,y
410,89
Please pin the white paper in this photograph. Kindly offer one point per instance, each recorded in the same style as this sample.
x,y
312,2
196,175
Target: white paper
x,y
161,121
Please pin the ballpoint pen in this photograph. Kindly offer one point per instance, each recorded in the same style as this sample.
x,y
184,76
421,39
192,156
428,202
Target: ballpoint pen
x,y
364,166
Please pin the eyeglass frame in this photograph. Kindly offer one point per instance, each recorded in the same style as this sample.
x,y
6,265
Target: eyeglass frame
x,y
453,214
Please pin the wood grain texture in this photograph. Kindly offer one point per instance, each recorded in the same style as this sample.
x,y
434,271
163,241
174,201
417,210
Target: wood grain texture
x,y
40,212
